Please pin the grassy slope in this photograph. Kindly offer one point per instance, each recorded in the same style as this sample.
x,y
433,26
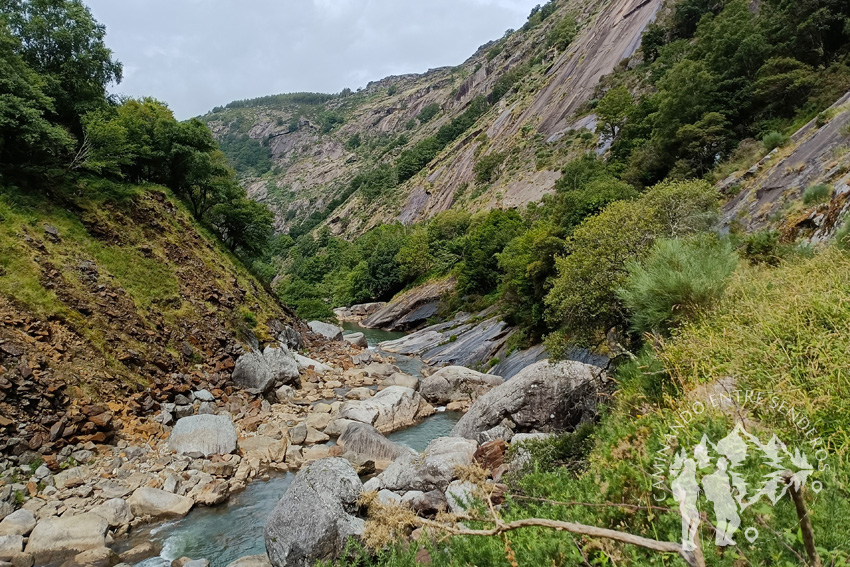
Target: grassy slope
x,y
131,283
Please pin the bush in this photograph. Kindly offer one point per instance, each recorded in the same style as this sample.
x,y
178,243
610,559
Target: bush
x,y
428,112
762,247
773,140
679,279
486,167
817,194
563,33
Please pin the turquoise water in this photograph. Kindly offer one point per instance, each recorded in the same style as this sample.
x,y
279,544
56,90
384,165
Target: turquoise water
x,y
221,534
407,364
417,437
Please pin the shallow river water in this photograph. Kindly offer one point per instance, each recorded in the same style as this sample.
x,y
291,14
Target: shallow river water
x,y
235,529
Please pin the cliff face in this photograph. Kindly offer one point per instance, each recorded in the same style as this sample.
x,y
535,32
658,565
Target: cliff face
x,y
533,130
108,304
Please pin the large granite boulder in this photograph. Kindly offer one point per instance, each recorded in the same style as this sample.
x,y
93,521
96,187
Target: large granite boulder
x,y
55,539
147,501
316,516
368,443
457,384
115,511
20,522
433,469
390,409
204,434
304,363
263,371
357,339
545,396
331,332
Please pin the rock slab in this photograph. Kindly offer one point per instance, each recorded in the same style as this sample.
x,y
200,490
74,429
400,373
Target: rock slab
x,y
205,434
54,539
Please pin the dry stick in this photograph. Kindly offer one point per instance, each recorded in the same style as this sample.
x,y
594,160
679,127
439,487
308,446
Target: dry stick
x,y
591,531
805,522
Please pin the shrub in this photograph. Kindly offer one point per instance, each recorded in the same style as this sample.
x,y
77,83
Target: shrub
x,y
762,247
773,140
817,194
428,112
392,90
487,167
563,33
679,278
842,237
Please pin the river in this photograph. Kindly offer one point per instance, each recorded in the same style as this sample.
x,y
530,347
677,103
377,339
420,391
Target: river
x,y
234,529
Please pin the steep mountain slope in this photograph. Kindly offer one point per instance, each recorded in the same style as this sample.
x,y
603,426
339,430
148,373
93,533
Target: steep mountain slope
x,y
318,145
109,297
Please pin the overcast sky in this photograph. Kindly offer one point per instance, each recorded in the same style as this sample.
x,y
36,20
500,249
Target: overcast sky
x,y
197,54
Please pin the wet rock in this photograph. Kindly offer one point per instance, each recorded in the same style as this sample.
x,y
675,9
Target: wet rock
x,y
316,516
545,396
204,434
147,501
115,511
367,442
331,332
433,469
20,522
457,383
54,539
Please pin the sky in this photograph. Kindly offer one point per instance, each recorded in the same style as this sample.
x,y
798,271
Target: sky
x,y
198,54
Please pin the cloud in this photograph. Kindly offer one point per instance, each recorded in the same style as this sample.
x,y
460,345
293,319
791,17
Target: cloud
x,y
197,54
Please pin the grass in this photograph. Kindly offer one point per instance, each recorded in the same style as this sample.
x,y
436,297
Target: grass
x,y
817,194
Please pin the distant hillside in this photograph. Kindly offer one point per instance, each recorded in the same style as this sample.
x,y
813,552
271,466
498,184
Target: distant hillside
x,y
299,153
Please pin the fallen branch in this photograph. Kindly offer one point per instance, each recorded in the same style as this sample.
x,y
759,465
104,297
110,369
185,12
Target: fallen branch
x,y
693,560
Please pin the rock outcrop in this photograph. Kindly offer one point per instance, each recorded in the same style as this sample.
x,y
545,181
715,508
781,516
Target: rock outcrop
x,y
357,312
390,409
455,384
204,434
411,309
316,516
545,397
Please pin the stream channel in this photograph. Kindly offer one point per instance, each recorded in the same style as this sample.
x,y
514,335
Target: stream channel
x,y
225,533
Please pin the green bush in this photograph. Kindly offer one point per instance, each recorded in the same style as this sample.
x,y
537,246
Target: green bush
x,y
817,194
563,33
428,112
762,247
773,140
487,167
678,279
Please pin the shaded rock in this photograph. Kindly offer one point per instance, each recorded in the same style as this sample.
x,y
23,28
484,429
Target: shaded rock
x,y
357,339
204,434
298,434
282,365
457,383
545,396
433,469
20,522
411,308
315,517
326,330
428,503
147,501
388,410
115,511
54,539
369,443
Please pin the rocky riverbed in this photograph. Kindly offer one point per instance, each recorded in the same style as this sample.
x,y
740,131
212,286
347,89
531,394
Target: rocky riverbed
x,y
293,403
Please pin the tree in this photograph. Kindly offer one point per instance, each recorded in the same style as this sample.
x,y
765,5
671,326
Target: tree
x,y
488,234
244,225
27,137
62,41
703,144
613,109
781,83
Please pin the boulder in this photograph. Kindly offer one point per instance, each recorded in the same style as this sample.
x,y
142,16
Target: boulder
x,y
282,365
457,383
400,379
362,393
139,553
11,544
315,517
433,469
252,561
262,371
55,539
326,330
367,442
213,493
115,511
304,363
357,339
147,501
205,434
544,396
459,496
100,557
284,394
20,522
390,409
428,503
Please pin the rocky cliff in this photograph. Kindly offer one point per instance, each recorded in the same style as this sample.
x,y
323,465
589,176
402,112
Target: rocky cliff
x,y
317,146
